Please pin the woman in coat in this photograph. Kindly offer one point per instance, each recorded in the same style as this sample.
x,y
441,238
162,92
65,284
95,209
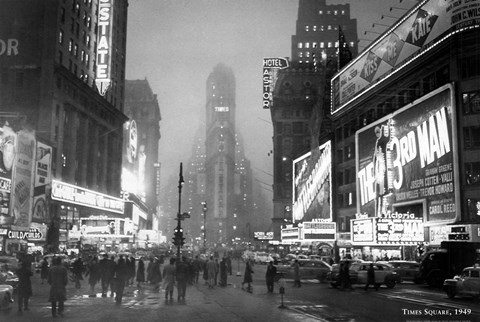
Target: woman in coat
x,y
247,277
24,287
156,275
140,272
94,275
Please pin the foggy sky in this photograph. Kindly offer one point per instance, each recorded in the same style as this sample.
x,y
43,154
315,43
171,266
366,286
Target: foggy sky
x,y
175,44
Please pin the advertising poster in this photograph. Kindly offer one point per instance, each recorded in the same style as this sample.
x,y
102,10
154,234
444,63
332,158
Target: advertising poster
x,y
410,158
7,157
312,185
23,177
419,31
43,179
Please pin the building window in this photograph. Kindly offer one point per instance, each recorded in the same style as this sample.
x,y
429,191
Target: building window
x,y
70,45
320,12
472,171
300,54
471,102
472,137
75,50
329,27
329,44
60,37
62,15
300,45
307,28
314,28
60,57
307,45
322,45
335,12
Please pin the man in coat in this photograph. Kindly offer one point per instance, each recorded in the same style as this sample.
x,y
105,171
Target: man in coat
x,y
58,279
107,267
169,278
270,276
121,277
24,288
182,273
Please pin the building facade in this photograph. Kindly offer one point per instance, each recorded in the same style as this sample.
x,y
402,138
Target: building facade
x,y
56,52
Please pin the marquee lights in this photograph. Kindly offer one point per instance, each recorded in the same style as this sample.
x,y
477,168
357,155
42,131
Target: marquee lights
x,y
103,72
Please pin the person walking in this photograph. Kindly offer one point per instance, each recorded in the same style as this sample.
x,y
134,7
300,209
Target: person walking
x,y
77,271
182,272
346,284
371,278
247,277
197,267
58,279
211,271
44,269
149,270
156,277
229,265
24,288
270,276
93,275
296,274
140,272
223,272
121,278
131,270
217,270
106,267
169,279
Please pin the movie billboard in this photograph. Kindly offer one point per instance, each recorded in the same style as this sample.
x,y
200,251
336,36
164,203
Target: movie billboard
x,y
410,158
312,194
43,180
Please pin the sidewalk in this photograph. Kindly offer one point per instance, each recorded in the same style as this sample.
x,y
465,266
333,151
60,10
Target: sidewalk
x,y
202,304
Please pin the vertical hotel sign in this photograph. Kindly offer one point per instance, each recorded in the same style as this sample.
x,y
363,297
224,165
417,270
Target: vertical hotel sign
x,y
103,72
270,68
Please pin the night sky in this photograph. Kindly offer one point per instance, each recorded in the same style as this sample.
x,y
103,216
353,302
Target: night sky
x,y
175,44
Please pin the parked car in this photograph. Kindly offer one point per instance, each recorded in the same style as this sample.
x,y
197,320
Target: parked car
x,y
262,258
6,296
9,278
288,259
309,269
467,284
407,270
302,256
333,275
384,274
8,263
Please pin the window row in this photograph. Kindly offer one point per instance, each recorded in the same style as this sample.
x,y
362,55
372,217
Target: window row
x,y
472,172
331,12
346,176
471,102
346,199
323,28
471,137
346,153
314,44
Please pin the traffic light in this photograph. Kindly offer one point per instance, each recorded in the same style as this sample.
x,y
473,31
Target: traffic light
x,y
178,239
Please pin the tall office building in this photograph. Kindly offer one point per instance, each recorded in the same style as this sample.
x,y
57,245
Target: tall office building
x,y
300,109
62,76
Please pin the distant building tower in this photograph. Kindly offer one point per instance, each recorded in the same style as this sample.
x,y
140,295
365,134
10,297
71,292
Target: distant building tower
x,y
140,163
220,150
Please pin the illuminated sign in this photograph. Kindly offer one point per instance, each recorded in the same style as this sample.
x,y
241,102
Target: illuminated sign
x,y
410,157
463,233
290,234
426,25
222,108
324,231
32,234
399,231
9,47
312,185
102,79
363,230
270,68
103,226
72,194
263,235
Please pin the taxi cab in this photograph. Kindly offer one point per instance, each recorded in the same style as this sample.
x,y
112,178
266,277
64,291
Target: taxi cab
x,y
467,284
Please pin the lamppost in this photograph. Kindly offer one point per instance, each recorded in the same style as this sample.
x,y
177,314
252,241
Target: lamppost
x,y
178,236
204,204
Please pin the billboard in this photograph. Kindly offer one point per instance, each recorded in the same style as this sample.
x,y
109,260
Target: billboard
x,y
418,31
410,158
43,179
269,77
104,47
7,157
312,193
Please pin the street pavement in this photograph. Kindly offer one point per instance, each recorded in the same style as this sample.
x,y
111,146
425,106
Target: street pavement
x,y
228,303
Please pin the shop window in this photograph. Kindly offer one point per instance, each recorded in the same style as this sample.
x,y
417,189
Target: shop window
x,y
472,172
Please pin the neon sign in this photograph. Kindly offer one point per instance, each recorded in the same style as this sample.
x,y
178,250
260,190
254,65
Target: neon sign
x,y
270,68
102,79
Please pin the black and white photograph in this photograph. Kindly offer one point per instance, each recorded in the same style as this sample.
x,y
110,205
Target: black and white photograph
x,y
240,160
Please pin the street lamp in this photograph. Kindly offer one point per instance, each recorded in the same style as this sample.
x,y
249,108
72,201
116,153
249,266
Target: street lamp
x,y
178,239
204,204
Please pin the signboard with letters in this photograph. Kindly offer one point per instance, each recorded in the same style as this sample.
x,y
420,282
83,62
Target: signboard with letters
x,y
269,77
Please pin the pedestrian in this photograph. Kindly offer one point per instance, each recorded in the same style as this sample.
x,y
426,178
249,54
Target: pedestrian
x,y
169,279
346,284
217,269
140,272
24,288
197,267
205,272
121,278
229,265
156,277
223,272
77,271
270,276
371,278
58,279
149,270
211,271
106,268
93,275
44,269
296,274
247,277
131,270
182,273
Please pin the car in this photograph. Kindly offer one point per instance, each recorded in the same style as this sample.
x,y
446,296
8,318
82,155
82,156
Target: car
x,y
302,256
384,274
407,270
333,276
467,284
6,296
288,259
9,278
262,258
8,263
309,269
